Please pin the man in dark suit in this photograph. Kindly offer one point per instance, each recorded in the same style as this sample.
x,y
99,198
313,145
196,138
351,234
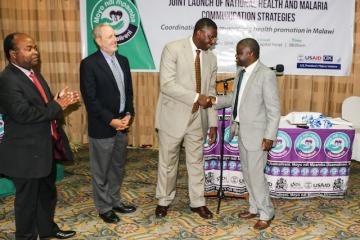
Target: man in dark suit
x,y
106,87
31,119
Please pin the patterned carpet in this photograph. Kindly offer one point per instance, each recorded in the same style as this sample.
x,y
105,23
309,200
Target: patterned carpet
x,y
316,218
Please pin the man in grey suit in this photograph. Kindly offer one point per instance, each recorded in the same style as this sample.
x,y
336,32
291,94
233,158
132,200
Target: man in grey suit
x,y
184,114
255,119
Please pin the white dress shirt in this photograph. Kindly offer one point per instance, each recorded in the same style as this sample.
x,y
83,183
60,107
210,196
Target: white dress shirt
x,y
248,71
25,71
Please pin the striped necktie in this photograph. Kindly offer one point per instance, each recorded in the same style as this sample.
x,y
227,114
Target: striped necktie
x,y
197,78
37,84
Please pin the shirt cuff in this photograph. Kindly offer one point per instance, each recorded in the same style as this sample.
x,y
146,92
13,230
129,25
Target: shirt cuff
x,y
196,97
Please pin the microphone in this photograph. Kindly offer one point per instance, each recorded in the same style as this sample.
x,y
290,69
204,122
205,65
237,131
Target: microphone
x,y
278,69
225,80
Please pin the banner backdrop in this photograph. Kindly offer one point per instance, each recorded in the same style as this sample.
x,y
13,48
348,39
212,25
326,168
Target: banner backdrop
x,y
307,37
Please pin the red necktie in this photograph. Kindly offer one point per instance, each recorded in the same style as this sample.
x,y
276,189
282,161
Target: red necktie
x,y
197,78
36,82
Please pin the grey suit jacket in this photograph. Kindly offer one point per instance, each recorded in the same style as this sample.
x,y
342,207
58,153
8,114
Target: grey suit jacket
x,y
178,88
259,112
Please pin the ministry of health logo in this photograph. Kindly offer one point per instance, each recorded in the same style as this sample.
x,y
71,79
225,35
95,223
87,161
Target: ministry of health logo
x,y
283,145
337,145
121,15
307,145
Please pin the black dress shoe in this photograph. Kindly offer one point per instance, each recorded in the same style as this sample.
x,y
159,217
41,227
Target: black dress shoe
x,y
60,234
203,212
109,217
125,208
161,211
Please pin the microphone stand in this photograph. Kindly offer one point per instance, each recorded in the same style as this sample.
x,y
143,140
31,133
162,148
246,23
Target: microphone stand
x,y
220,193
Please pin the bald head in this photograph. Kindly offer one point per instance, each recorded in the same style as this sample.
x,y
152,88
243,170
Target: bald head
x,y
105,38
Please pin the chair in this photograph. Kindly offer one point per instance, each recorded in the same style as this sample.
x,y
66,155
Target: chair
x,y
350,111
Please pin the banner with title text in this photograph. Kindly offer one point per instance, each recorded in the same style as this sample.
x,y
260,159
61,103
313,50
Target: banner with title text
x,y
307,37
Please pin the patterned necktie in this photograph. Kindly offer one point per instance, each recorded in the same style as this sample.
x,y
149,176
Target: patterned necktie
x,y
37,84
198,79
119,77
237,93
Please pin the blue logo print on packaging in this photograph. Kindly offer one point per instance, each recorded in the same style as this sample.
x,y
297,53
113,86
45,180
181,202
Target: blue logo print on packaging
x,y
230,144
307,145
283,145
337,145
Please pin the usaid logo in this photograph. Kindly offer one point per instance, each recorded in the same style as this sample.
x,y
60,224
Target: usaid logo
x,y
313,58
283,145
307,145
337,145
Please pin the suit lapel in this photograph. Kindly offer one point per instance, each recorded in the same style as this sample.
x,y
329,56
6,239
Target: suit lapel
x,y
101,61
26,80
189,58
250,82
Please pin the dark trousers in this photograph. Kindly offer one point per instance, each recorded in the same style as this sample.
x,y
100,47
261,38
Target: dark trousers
x,y
35,201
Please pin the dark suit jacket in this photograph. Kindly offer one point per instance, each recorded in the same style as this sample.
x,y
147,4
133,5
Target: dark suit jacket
x,y
26,150
101,94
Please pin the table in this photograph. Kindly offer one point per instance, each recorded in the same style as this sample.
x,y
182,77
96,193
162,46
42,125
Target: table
x,y
233,182
310,162
305,163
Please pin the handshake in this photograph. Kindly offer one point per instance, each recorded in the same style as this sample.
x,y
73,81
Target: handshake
x,y
206,101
